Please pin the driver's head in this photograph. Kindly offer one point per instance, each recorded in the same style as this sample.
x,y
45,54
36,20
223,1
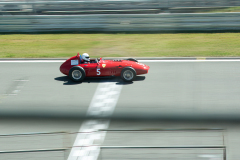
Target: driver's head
x,y
85,57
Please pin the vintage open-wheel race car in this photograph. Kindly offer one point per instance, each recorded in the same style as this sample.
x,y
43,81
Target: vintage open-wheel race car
x,y
127,69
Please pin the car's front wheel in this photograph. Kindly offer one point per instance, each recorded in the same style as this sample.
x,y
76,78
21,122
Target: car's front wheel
x,y
128,74
77,73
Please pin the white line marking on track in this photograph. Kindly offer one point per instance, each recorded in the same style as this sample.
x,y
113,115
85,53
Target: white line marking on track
x,y
21,80
32,61
211,156
219,60
61,61
16,87
90,136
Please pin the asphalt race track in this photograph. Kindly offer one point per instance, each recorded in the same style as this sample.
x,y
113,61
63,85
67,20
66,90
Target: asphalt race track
x,y
178,103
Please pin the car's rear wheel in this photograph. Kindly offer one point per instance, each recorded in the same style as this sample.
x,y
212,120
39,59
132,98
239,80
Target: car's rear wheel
x,y
77,73
128,74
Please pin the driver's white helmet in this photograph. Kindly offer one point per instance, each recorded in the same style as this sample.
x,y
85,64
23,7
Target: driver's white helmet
x,y
85,57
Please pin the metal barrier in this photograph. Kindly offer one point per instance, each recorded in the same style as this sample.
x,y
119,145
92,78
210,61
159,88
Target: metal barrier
x,y
39,154
124,4
90,16
81,7
161,144
38,146
56,7
121,23
162,152
171,144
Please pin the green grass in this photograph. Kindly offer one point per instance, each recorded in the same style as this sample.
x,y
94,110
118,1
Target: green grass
x,y
229,9
119,45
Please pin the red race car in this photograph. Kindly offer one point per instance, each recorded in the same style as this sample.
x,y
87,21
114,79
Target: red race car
x,y
77,70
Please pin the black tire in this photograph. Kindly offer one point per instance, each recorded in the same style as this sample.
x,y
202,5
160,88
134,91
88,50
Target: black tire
x,y
128,74
132,59
77,74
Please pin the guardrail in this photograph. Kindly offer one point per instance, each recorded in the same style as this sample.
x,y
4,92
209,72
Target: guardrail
x,y
97,4
112,7
162,152
121,23
53,145
177,152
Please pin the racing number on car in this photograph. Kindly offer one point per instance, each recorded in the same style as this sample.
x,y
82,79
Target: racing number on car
x,y
98,71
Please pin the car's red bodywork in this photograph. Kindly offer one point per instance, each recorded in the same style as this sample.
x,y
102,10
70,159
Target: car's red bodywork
x,y
101,67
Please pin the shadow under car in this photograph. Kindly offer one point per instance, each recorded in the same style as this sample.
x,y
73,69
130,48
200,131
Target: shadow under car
x,y
67,81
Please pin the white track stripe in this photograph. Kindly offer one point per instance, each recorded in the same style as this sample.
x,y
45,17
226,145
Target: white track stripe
x,y
33,61
102,104
219,60
61,61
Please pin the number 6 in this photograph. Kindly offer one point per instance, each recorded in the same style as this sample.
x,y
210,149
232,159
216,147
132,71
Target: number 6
x,y
98,71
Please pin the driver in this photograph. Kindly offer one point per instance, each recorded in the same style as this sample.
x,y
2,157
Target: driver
x,y
85,58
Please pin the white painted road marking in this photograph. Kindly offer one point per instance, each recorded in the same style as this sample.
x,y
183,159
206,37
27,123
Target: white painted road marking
x,y
61,61
32,61
211,156
21,80
217,60
16,87
90,136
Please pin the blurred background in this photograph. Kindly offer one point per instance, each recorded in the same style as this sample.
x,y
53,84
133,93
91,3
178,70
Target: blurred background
x,y
119,16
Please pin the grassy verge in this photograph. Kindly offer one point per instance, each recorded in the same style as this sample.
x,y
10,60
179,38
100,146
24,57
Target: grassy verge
x,y
229,9
120,45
